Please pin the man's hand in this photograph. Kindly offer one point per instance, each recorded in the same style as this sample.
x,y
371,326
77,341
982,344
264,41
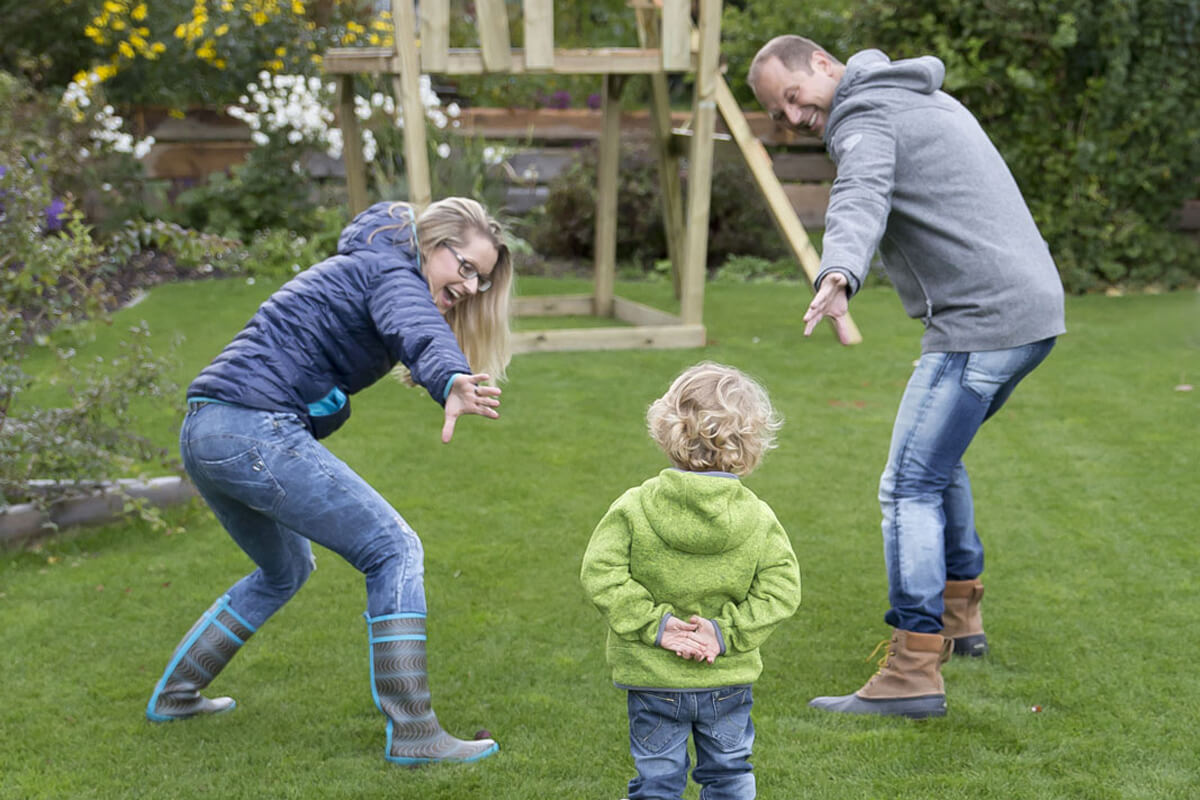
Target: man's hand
x,y
831,301
468,395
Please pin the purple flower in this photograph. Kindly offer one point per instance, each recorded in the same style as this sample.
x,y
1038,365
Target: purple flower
x,y
54,214
593,101
560,99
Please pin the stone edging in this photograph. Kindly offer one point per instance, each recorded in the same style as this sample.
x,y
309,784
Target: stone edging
x,y
102,503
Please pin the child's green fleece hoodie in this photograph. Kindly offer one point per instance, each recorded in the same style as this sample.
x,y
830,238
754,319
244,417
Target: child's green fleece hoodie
x,y
688,543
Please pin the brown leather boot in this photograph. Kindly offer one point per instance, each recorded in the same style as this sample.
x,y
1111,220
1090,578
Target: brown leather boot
x,y
908,683
962,620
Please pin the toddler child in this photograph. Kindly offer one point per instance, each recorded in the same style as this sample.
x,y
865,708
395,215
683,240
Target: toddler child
x,y
692,572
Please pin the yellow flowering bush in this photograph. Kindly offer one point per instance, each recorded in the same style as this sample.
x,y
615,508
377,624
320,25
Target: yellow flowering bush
x,y
186,52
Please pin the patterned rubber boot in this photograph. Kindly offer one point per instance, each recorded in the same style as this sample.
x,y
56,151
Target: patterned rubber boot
x,y
205,650
400,685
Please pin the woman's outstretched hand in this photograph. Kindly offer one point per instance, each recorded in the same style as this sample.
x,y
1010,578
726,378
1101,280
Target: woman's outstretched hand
x,y
469,395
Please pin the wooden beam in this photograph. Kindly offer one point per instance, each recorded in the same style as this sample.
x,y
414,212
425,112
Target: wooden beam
x,y
539,34
649,338
561,305
671,195
353,60
813,167
677,35
700,165
777,201
607,168
495,44
575,124
641,314
602,61
469,61
352,152
407,87
435,34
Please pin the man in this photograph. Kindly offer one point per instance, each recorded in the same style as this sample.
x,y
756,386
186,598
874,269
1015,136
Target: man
x,y
919,179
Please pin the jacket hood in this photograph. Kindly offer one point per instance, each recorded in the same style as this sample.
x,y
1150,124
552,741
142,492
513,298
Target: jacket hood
x,y
394,223
872,69
706,509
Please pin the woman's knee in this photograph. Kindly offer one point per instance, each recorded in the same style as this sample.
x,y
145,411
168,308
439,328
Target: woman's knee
x,y
391,546
287,578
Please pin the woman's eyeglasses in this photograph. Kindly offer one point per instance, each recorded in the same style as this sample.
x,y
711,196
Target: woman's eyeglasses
x,y
468,270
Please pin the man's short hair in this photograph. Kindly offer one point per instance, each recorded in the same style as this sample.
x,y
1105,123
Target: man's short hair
x,y
794,52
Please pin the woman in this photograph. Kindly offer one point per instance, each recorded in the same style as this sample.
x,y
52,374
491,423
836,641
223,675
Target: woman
x,y
417,294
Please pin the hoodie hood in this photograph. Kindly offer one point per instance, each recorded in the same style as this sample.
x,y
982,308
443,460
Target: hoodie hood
x,y
872,69
705,510
392,225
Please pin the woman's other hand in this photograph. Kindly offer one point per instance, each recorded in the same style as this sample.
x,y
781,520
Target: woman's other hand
x,y
470,395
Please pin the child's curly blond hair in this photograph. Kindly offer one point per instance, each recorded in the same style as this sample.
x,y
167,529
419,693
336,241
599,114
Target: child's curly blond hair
x,y
714,418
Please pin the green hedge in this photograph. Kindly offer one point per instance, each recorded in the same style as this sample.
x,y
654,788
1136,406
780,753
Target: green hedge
x,y
739,222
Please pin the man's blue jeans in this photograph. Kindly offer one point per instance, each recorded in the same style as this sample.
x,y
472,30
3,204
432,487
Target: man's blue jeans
x,y
275,488
929,531
719,722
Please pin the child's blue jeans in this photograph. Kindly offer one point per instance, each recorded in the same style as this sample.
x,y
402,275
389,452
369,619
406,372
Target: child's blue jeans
x,y
719,722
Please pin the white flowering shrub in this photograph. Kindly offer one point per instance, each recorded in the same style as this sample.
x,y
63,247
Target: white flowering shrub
x,y
107,128
290,111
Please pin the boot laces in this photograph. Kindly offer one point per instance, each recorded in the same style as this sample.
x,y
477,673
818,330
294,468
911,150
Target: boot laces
x,y
886,652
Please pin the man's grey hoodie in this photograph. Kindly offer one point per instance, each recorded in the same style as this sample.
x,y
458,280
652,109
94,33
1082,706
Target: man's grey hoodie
x,y
919,180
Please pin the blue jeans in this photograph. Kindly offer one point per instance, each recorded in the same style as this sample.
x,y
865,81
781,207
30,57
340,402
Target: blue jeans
x,y
719,722
929,533
275,489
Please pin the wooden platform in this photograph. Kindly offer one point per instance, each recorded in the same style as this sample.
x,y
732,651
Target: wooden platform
x,y
651,328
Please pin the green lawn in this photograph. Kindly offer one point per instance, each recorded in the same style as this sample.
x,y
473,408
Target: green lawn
x,y
1086,494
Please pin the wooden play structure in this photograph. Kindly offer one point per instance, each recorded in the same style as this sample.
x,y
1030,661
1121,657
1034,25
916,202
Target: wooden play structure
x,y
669,42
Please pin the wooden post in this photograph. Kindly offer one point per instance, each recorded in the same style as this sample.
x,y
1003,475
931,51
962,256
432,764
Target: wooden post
x,y
435,35
408,88
608,164
668,162
704,117
677,35
539,34
352,153
764,175
494,43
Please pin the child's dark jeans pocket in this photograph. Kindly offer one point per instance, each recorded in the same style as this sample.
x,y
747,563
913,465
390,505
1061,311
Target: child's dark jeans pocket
x,y
732,709
650,716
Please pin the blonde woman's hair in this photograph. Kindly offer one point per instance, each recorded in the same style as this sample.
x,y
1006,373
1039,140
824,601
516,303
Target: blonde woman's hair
x,y
481,321
714,418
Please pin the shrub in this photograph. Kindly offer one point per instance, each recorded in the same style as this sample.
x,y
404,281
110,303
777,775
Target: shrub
x,y
745,27
290,119
739,222
178,53
91,438
45,43
53,274
77,146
